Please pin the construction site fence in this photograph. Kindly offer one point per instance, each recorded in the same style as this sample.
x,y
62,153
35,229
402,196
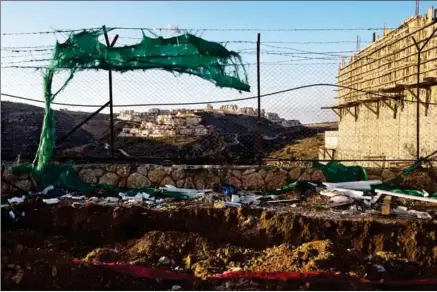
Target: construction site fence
x,y
292,115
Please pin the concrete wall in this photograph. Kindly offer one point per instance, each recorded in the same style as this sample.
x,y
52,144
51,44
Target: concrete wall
x,y
247,178
388,137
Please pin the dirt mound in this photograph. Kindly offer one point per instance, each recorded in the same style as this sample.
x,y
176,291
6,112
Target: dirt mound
x,y
173,245
319,255
420,179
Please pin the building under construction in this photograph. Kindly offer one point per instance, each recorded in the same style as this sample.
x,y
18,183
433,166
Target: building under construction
x,y
379,115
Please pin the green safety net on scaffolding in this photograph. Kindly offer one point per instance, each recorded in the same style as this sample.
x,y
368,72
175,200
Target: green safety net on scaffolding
x,y
83,51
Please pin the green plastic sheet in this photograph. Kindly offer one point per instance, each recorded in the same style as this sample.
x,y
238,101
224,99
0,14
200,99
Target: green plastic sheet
x,y
65,176
337,172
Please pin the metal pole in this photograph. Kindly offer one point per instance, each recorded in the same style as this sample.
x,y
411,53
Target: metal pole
x,y
258,49
82,123
418,107
419,51
111,104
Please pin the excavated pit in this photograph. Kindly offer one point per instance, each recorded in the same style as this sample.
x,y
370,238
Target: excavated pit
x,y
202,240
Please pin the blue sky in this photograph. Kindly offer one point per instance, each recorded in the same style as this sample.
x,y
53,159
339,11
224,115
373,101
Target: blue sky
x,y
155,86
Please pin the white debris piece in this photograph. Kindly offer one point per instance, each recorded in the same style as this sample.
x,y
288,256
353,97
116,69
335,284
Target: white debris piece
x,y
425,193
164,260
172,188
16,200
354,185
69,196
249,199
51,201
235,198
379,268
401,210
417,198
12,215
331,192
111,199
47,189
146,196
340,200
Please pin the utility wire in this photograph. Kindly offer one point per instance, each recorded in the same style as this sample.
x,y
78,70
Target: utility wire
x,y
221,101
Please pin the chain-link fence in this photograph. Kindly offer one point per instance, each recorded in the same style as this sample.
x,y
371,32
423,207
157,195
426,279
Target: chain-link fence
x,y
163,118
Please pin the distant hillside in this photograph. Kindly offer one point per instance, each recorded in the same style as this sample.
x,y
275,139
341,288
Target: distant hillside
x,y
234,141
21,129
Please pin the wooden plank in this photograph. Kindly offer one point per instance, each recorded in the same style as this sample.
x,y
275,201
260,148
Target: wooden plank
x,y
371,109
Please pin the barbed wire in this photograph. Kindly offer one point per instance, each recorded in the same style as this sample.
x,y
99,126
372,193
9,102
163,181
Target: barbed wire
x,y
199,29
273,63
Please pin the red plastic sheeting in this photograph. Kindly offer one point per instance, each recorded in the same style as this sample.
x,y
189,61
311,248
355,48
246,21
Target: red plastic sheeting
x,y
153,273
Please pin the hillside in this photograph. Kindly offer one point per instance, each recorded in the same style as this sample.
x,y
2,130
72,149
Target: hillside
x,y
234,141
21,129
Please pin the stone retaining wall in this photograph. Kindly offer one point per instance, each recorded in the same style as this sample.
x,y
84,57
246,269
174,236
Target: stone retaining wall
x,y
246,178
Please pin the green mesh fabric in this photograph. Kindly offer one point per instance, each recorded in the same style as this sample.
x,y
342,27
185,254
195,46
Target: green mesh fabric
x,y
182,54
337,172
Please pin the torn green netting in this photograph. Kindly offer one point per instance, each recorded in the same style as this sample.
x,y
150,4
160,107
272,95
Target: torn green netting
x,y
66,177
337,172
181,54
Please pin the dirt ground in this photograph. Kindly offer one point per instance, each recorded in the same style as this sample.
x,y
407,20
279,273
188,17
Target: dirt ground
x,y
195,238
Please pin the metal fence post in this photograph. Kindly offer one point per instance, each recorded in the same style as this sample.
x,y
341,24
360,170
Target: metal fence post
x,y
418,101
111,108
258,50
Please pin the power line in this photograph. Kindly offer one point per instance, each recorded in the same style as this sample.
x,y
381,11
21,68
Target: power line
x,y
221,101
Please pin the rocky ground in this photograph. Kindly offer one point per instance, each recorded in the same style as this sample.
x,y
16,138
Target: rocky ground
x,y
199,239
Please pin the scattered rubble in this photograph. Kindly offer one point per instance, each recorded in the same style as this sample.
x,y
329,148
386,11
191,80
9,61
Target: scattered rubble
x,y
256,245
